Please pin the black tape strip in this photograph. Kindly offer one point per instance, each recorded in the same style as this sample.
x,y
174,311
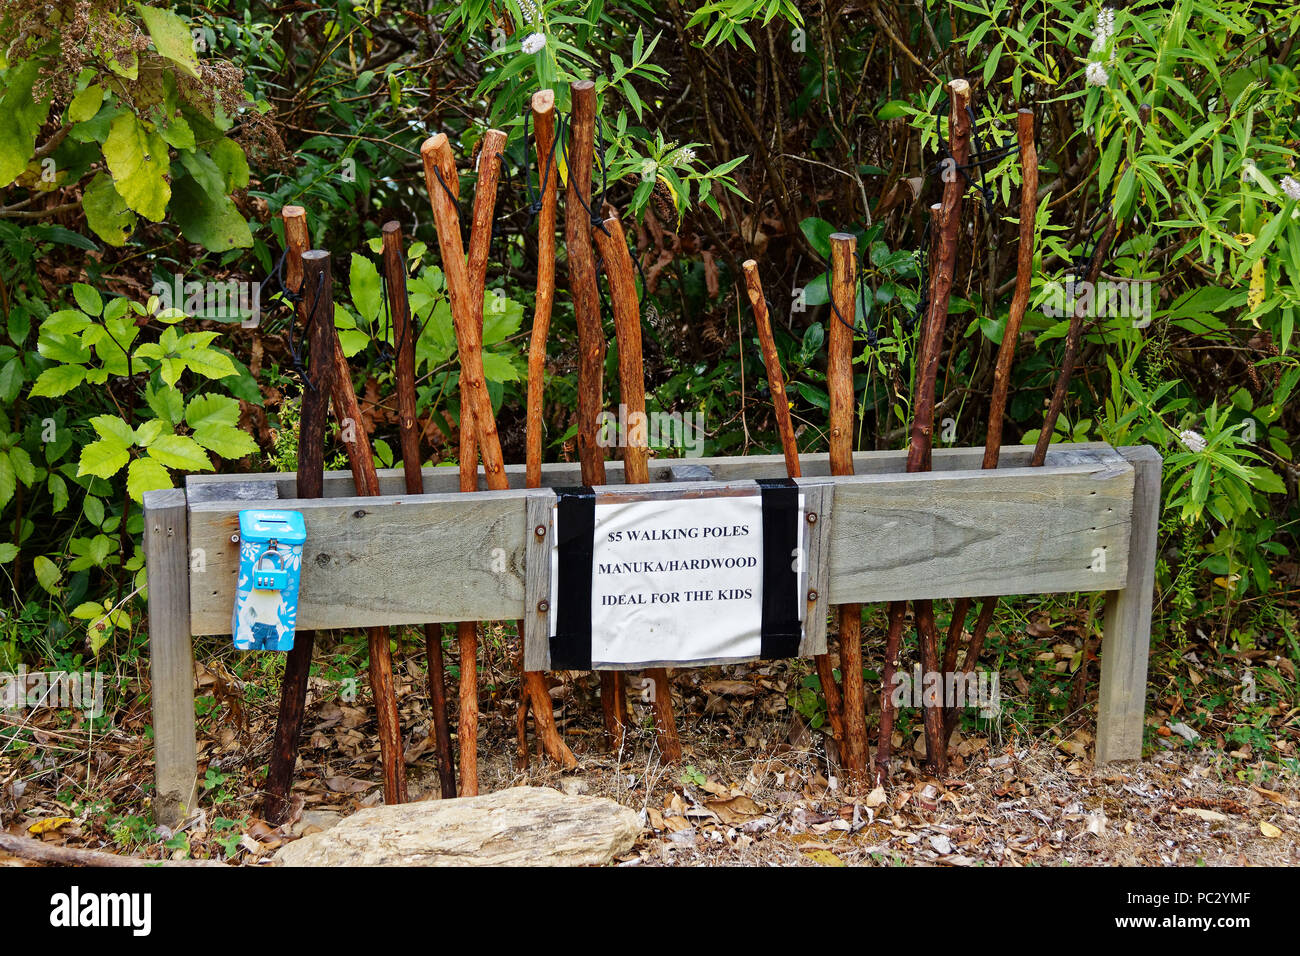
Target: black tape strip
x,y
576,514
781,628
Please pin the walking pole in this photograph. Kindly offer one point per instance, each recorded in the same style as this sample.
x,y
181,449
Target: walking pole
x,y
793,469
578,216
533,688
316,312
612,242
404,343
945,226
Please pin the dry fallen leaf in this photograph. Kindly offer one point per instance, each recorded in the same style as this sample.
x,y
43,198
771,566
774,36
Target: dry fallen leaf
x,y
1269,830
347,784
48,825
736,810
824,858
1210,816
876,797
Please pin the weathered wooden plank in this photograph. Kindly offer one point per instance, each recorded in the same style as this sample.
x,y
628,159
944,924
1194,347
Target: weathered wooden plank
x,y
1023,531
171,654
1126,640
819,498
406,559
537,564
445,479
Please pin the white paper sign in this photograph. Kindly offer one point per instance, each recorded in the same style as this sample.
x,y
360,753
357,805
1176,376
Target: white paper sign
x,y
677,580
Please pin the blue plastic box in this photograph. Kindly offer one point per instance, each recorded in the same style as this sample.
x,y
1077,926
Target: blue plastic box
x,y
270,566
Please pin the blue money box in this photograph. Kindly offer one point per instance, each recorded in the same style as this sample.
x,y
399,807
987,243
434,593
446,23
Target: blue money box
x,y
270,565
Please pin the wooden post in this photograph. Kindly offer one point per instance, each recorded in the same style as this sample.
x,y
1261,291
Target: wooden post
x,y
578,215
171,655
404,342
839,383
318,329
534,687
1126,641
790,448
612,243
361,459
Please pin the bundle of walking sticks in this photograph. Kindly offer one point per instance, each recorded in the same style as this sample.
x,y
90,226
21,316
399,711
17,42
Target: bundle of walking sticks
x,y
588,231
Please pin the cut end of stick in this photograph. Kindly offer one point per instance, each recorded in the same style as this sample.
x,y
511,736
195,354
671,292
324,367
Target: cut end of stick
x,y
543,101
391,227
582,86
844,237
959,86
315,255
293,212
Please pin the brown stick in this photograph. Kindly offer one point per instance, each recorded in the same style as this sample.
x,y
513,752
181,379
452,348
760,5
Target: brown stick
x,y
441,179
1001,388
612,243
317,314
544,128
591,339
28,849
404,342
793,468
839,383
534,682
945,226
361,460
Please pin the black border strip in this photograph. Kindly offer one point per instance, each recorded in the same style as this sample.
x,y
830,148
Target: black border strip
x,y
782,632
575,538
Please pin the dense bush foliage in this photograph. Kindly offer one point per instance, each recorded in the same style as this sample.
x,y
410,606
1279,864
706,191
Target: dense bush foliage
x,y
143,148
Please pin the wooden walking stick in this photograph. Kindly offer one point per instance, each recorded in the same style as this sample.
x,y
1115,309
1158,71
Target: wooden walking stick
x,y
316,309
793,469
839,384
578,222
945,226
612,243
1001,387
443,184
534,687
1072,340
399,307
361,461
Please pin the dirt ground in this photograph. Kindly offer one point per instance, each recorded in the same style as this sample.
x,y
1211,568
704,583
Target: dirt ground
x,y
757,785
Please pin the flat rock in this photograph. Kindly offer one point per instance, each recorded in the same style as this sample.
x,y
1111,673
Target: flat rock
x,y
520,826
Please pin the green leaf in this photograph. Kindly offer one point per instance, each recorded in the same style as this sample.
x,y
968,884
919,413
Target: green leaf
x,y
892,110
47,573
497,368
210,409
171,37
110,426
87,298
367,291
214,224
58,380
7,552
12,377
86,104
21,118
206,173
103,458
225,440
106,211
139,163
26,473
179,451
178,133
145,474
8,480
230,159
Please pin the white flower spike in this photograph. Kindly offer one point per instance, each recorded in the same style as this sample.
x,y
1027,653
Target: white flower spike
x,y
534,43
